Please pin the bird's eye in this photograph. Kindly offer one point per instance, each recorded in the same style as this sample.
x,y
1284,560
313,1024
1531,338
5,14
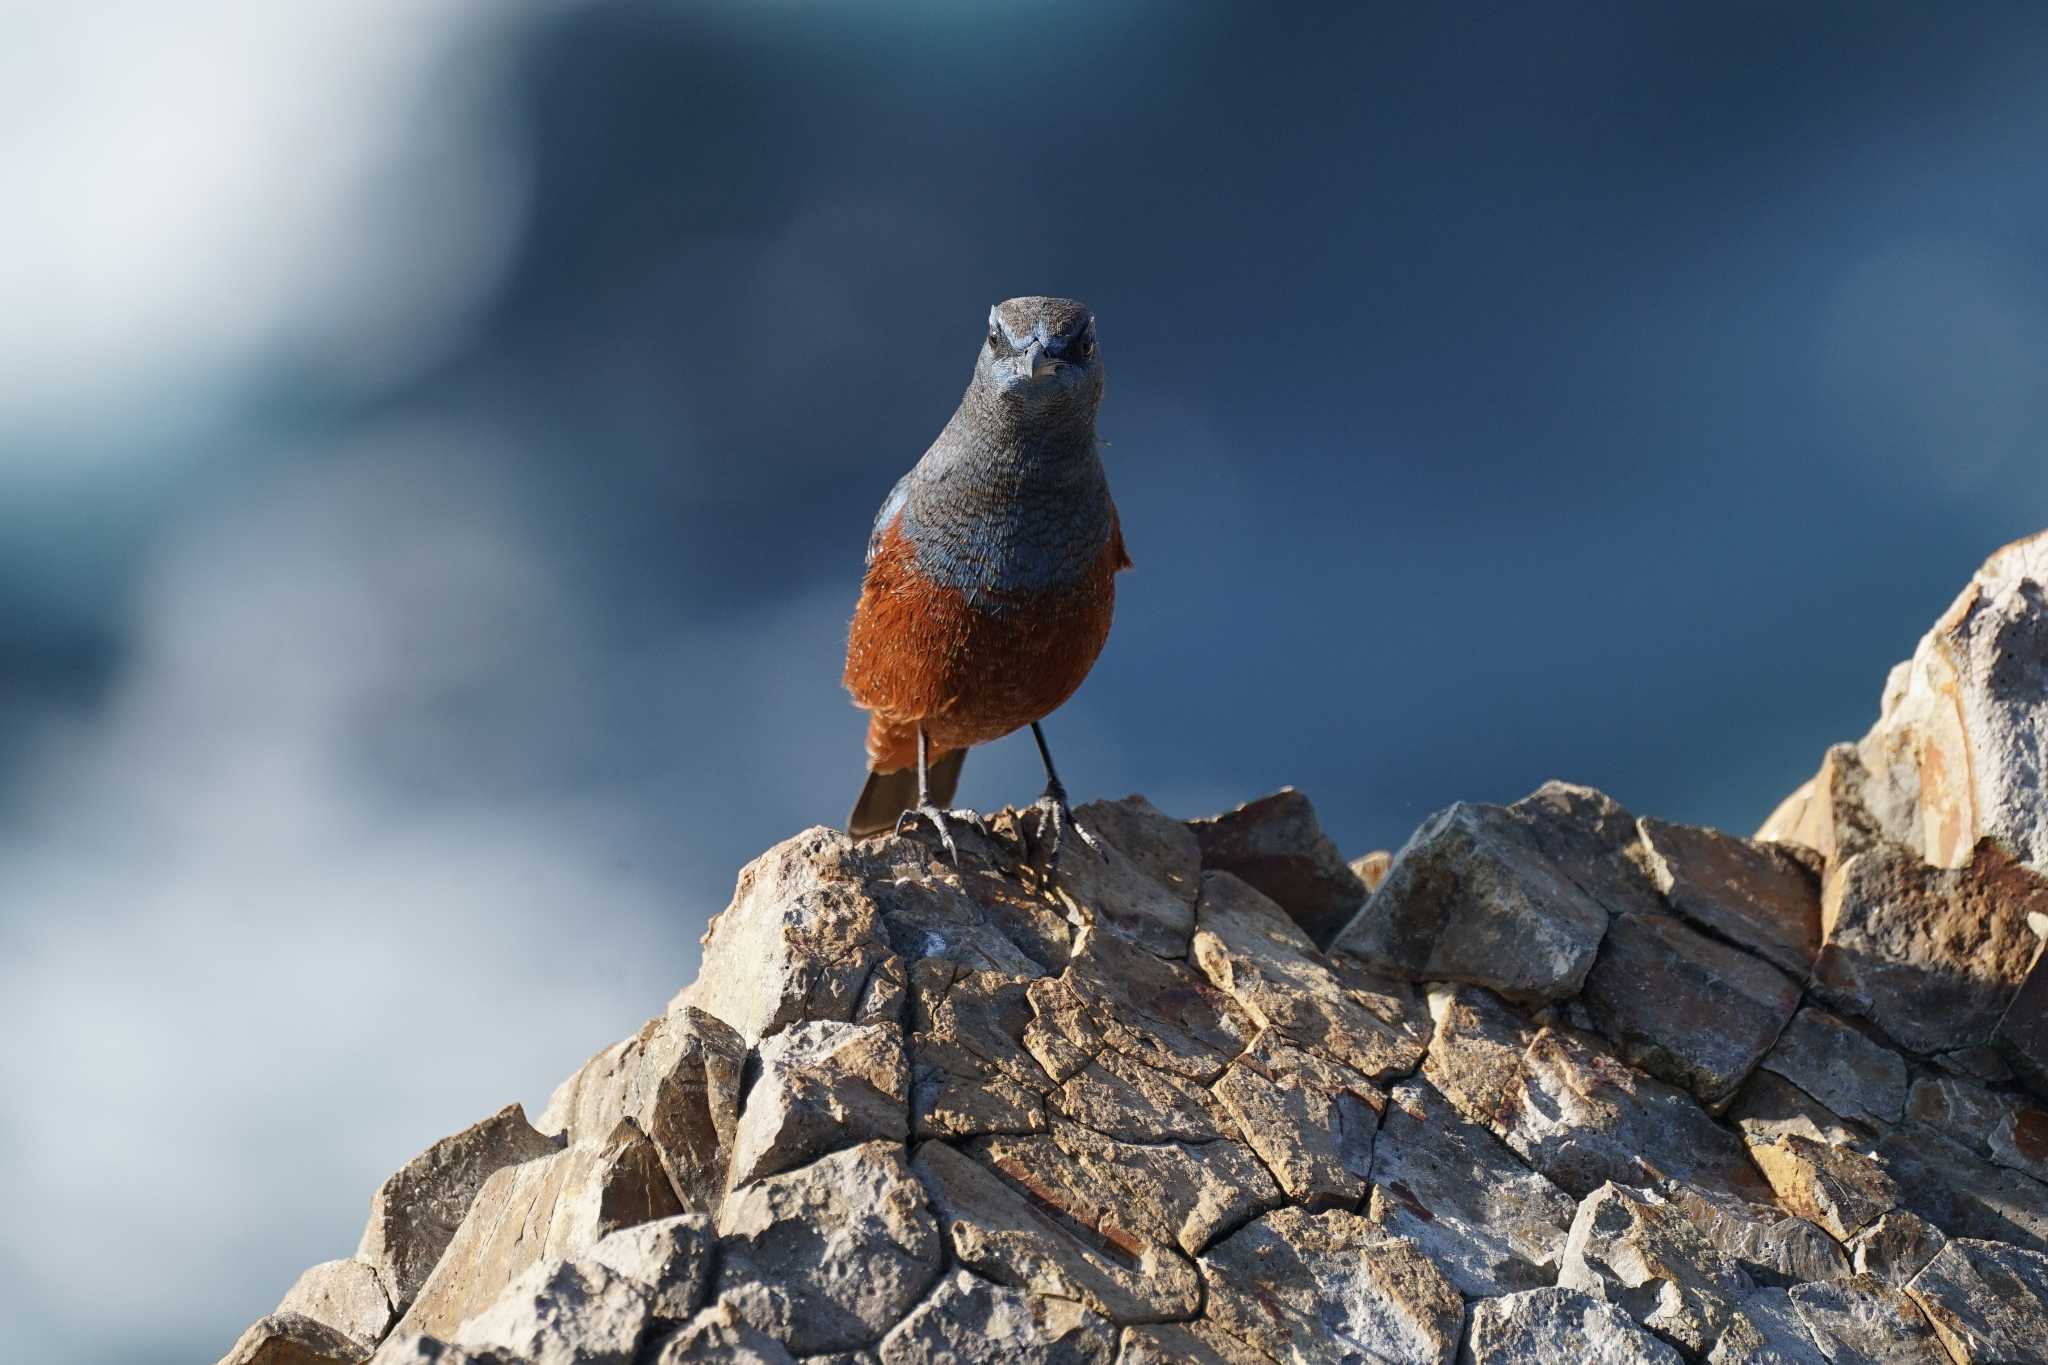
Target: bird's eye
x,y
1081,347
995,344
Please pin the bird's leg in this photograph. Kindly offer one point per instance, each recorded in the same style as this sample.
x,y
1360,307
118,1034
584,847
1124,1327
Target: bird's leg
x,y
1052,808
924,808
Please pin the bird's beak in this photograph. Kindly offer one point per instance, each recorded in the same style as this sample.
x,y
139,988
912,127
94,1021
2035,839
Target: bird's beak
x,y
1037,363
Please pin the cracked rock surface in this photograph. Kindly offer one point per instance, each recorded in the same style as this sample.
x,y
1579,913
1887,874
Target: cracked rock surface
x,y
1550,1083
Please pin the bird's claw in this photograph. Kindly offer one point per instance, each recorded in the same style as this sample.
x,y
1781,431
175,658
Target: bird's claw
x,y
937,819
1053,811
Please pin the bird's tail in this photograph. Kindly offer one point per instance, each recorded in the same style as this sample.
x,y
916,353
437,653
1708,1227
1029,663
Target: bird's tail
x,y
888,795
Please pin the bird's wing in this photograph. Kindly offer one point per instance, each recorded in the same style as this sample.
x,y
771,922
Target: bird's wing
x,y
892,506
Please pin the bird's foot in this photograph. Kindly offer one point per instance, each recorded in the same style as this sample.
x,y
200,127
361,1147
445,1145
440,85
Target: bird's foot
x,y
1056,816
938,819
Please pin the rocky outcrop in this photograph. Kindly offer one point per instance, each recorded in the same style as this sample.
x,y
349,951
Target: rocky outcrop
x,y
1548,1083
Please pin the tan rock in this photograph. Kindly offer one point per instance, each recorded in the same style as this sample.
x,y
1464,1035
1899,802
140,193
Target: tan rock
x,y
799,940
415,1213
1686,1007
1647,1258
1263,961
1766,1330
969,1318
1162,1013
1371,868
415,1349
1276,845
1019,1238
294,1339
1303,1287
1131,1194
1125,1099
1164,848
1310,1120
1931,955
1961,734
1987,1302
1143,898
1449,1186
1840,812
556,1208
1763,896
1842,1190
821,1085
971,1072
345,1295
830,1256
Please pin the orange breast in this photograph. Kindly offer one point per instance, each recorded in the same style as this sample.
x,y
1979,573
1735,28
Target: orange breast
x,y
918,653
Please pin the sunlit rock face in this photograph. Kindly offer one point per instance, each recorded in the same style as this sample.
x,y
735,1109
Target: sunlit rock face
x,y
1552,1083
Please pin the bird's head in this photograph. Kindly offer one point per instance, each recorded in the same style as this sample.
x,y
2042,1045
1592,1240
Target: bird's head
x,y
1041,352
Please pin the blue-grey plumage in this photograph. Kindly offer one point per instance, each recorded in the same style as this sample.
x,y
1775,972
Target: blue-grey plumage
x,y
989,586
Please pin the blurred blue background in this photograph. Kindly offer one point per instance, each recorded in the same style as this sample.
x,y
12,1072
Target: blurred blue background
x,y
438,439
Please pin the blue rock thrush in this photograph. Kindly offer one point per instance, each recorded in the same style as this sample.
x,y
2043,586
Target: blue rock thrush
x,y
991,575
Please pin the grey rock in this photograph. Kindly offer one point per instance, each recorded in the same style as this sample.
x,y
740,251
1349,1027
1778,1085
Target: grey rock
x,y
1146,896
1277,845
1449,1186
1897,1247
1647,1258
415,1213
563,1313
720,1336
1987,1302
1772,1247
345,1295
1471,898
1769,1106
1018,1237
556,1208
1767,1331
1931,955
2022,1031
1962,1193
1841,811
1763,896
821,1085
969,1318
1862,1320
1595,840
670,1258
294,1339
1165,1014
415,1349
1685,1007
2019,1138
1556,1326
1572,1110
1262,960
1302,1287
1840,1066
829,1256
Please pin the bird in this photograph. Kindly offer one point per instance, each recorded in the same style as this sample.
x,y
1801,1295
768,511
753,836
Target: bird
x,y
991,577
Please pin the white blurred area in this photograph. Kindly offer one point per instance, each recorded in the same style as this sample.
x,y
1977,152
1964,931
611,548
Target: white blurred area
x,y
190,185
